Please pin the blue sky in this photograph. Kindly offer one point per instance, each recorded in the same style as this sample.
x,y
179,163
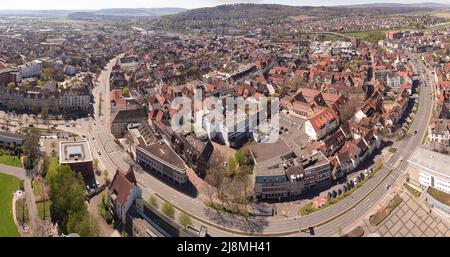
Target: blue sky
x,y
97,4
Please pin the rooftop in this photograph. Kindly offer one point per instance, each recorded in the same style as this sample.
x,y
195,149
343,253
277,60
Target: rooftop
x,y
165,154
74,151
431,161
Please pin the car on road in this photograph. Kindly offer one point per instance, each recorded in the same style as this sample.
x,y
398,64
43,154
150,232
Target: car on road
x,y
83,136
329,196
339,191
67,125
355,181
387,186
99,153
334,193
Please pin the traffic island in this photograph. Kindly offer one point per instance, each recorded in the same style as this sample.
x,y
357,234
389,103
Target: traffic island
x,y
357,232
380,215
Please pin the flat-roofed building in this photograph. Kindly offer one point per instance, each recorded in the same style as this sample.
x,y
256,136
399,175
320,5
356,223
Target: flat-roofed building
x,y
277,174
11,139
77,155
162,160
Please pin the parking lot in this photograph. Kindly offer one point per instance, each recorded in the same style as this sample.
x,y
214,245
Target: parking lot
x,y
293,132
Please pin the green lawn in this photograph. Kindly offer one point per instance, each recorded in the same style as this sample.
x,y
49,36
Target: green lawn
x,y
10,160
22,211
8,185
439,196
53,163
37,187
411,190
41,211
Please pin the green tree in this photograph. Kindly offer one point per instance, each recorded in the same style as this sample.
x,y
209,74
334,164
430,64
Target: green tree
x,y
231,166
153,201
45,165
184,220
68,203
83,224
25,84
193,69
125,91
239,156
11,85
168,210
47,73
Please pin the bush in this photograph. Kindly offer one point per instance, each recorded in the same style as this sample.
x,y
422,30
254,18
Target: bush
x,y
22,211
104,210
307,209
153,201
394,202
411,190
392,150
168,210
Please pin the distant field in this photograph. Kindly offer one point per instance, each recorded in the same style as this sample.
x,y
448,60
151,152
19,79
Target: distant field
x,y
8,185
301,17
372,35
442,14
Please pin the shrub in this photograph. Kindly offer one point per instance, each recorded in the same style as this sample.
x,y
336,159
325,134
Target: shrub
x,y
168,210
153,201
184,220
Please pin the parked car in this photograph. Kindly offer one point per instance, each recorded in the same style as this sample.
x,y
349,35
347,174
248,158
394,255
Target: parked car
x,y
329,196
339,191
334,193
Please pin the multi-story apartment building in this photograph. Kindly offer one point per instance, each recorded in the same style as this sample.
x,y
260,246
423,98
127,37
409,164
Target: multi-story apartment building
x,y
31,69
439,132
160,159
280,173
321,124
432,169
76,96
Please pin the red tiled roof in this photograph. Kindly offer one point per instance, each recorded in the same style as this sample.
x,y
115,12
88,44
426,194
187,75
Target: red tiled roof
x,y
319,120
